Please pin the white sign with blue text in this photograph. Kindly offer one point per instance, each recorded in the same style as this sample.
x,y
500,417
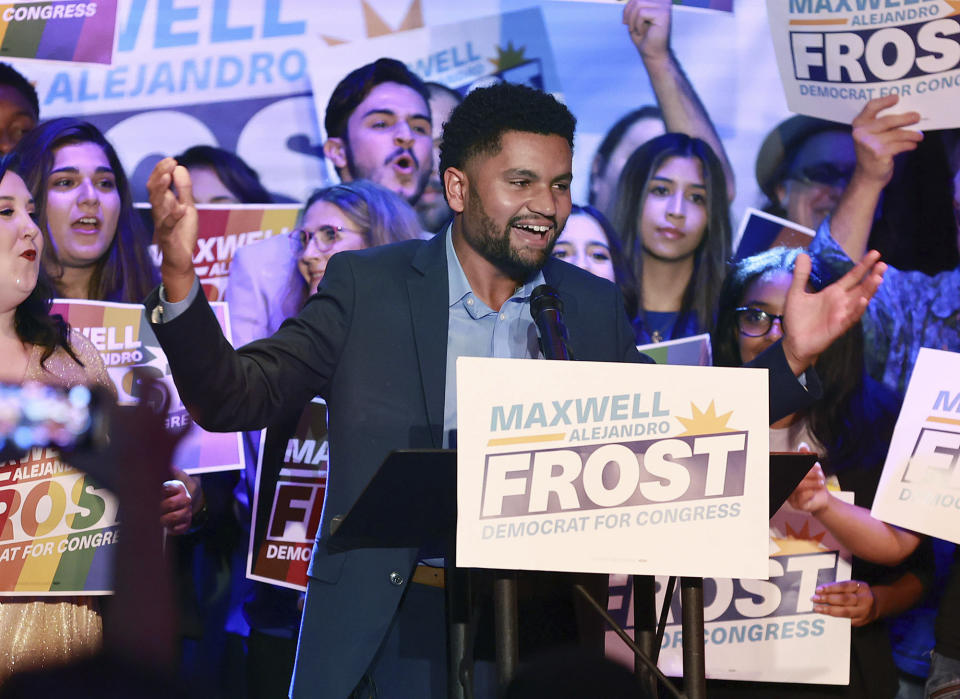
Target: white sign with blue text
x,y
760,630
835,55
612,468
920,485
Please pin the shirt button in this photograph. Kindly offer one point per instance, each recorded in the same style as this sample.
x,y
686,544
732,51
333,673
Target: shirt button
x,y
503,316
469,302
396,578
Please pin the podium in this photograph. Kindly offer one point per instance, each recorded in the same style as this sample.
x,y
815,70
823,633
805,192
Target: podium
x,y
379,518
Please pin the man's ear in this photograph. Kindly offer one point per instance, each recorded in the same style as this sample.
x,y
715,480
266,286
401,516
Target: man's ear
x,y
335,149
455,186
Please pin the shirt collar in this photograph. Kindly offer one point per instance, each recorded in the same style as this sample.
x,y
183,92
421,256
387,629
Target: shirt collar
x,y
459,287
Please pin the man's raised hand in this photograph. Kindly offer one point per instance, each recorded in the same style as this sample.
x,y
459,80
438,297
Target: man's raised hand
x,y
175,225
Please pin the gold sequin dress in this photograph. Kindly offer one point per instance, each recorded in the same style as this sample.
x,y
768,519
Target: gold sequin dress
x,y
38,632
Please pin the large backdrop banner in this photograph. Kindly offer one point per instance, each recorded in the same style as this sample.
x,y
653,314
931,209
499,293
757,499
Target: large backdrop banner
x,y
228,73
612,468
236,74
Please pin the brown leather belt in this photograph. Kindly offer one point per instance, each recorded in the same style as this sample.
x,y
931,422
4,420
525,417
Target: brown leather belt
x,y
428,575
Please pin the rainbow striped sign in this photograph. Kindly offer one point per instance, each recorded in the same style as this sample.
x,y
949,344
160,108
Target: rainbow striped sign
x,y
288,498
223,229
63,30
125,340
58,529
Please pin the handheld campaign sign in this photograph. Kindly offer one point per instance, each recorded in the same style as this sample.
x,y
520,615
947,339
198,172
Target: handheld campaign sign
x,y
686,351
122,335
761,630
223,230
834,55
612,468
760,231
58,528
288,496
61,30
920,485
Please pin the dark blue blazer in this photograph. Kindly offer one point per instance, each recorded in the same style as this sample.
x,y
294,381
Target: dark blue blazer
x,y
372,342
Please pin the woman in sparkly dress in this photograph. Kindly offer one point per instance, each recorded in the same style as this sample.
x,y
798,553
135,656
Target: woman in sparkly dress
x,y
35,346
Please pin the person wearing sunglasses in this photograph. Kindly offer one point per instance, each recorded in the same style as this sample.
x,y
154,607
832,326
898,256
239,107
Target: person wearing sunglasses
x,y
849,428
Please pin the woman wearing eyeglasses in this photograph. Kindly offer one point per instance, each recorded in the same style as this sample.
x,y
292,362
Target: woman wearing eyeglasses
x,y
348,216
849,428
270,281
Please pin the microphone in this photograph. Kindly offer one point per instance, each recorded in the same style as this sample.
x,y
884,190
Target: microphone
x,y
547,311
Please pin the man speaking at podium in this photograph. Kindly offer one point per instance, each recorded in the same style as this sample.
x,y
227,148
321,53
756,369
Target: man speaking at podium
x,y
379,342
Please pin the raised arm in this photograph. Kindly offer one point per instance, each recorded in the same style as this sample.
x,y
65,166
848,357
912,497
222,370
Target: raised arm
x,y
175,223
876,141
852,525
649,24
265,381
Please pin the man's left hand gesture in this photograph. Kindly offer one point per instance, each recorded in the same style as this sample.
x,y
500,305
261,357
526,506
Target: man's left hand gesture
x,y
814,320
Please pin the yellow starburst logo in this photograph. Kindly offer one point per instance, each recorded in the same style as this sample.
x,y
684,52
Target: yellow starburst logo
x,y
705,421
799,541
376,25
508,58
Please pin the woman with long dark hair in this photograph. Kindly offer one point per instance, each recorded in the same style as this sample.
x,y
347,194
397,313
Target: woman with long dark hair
x,y
96,245
673,218
39,632
849,428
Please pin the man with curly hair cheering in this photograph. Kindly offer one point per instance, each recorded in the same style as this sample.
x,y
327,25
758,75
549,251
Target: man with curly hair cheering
x,y
379,342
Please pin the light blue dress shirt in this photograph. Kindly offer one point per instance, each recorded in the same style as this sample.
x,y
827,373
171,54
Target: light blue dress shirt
x,y
475,330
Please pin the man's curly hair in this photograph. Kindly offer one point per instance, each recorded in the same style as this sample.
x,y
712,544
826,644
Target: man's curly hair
x,y
485,114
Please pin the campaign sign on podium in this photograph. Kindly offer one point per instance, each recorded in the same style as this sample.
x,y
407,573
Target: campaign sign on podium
x,y
612,468
920,485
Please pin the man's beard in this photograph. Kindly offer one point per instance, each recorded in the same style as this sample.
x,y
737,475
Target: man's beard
x,y
494,245
421,178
